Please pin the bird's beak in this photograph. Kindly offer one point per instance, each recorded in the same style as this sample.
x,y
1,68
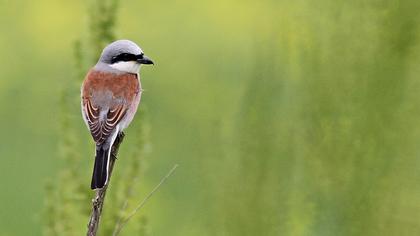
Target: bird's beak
x,y
145,60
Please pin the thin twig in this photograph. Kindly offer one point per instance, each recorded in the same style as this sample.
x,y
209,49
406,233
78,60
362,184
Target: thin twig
x,y
98,201
129,193
142,203
124,207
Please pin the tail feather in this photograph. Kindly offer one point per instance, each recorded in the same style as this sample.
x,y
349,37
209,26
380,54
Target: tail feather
x,y
100,169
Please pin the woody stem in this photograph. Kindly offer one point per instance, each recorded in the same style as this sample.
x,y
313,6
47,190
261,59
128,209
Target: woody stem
x,y
98,200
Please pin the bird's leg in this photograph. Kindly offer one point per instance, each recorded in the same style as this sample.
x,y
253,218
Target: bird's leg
x,y
116,145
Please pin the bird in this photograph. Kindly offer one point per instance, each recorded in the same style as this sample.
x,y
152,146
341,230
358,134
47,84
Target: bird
x,y
110,96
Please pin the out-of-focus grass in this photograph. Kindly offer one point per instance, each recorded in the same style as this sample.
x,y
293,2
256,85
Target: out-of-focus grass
x,y
291,118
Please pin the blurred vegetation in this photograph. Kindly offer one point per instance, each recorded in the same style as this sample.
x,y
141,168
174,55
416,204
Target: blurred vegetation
x,y
286,117
68,202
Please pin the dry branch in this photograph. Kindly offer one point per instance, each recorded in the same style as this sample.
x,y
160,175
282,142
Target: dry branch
x,y
98,201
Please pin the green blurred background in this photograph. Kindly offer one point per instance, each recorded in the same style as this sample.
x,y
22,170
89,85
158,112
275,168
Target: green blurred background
x,y
286,117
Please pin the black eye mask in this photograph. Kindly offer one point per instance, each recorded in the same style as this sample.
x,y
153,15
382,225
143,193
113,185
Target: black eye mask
x,y
126,57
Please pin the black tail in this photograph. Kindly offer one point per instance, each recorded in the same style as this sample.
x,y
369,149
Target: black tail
x,y
100,170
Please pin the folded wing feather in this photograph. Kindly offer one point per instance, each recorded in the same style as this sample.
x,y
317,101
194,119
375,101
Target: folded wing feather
x,y
102,128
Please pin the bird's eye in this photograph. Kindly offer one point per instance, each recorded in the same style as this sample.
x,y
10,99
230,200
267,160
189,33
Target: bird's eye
x,y
127,57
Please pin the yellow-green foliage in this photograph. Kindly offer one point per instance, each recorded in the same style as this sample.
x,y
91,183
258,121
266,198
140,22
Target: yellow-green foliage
x,y
287,117
68,202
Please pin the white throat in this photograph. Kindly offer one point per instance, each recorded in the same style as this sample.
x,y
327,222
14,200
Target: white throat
x,y
127,66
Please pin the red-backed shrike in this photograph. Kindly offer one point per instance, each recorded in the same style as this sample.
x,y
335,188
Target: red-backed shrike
x,y
110,96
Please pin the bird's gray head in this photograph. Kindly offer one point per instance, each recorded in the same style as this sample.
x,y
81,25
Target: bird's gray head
x,y
124,55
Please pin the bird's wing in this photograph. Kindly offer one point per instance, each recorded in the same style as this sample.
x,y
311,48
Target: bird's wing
x,y
101,127
106,99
